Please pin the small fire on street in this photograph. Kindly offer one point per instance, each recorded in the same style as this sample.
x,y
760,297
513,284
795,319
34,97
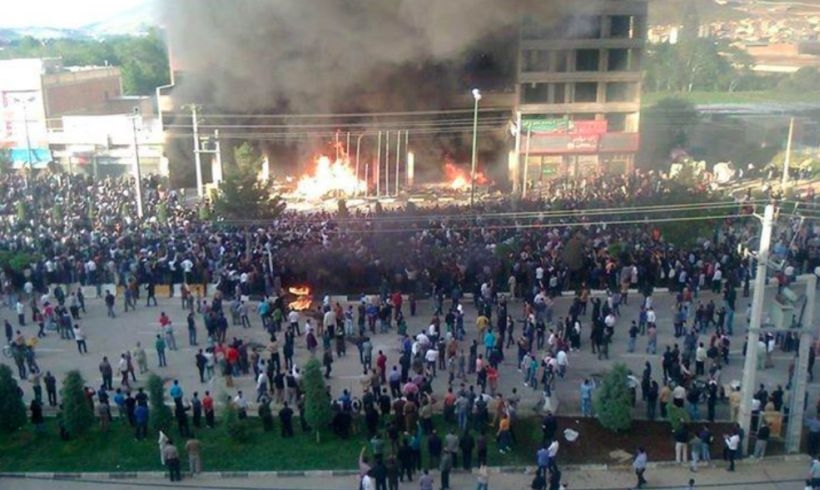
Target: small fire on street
x,y
303,299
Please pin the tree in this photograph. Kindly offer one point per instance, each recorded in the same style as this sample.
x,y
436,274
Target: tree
x,y
806,79
238,429
12,408
161,416
242,195
613,401
5,160
143,59
317,399
78,415
676,416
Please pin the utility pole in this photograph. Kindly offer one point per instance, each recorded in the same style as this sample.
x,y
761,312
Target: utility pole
x,y
788,154
398,160
794,430
218,175
137,172
517,162
378,166
197,157
749,382
387,164
476,97
526,164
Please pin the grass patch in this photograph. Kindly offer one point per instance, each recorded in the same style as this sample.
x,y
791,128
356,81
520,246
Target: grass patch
x,y
750,97
117,450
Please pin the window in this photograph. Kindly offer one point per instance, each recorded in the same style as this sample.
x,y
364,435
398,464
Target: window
x,y
583,116
560,61
618,60
534,93
582,27
586,60
620,91
622,26
559,93
586,92
616,122
535,60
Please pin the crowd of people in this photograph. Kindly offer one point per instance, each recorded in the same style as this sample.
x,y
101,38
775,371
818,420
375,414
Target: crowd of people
x,y
91,237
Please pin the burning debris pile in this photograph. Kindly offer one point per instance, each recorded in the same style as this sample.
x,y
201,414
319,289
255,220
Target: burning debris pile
x,y
303,300
330,178
458,179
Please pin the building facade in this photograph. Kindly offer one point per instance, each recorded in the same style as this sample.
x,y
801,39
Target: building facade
x,y
74,116
579,91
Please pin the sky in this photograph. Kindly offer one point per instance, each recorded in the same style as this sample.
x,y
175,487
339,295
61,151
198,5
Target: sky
x,y
66,14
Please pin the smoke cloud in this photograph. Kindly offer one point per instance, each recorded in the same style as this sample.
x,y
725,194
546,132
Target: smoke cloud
x,y
308,55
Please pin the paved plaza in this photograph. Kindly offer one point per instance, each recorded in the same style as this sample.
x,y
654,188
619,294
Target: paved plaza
x,y
771,474
110,337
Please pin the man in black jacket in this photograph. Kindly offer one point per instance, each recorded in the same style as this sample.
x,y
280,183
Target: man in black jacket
x,y
467,443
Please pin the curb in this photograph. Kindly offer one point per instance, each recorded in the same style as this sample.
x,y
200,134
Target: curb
x,y
138,475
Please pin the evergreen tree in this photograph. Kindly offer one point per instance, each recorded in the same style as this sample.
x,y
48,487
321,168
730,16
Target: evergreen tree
x,y
238,429
12,408
613,401
317,399
160,413
242,195
78,414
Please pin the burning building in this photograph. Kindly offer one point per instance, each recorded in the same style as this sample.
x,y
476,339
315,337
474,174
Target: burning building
x,y
393,78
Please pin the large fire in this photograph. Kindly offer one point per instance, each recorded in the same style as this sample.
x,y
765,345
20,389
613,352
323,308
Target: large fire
x,y
330,178
458,179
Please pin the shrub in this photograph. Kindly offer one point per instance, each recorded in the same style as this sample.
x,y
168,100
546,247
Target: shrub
x,y
613,401
674,414
317,400
78,414
12,408
160,413
238,429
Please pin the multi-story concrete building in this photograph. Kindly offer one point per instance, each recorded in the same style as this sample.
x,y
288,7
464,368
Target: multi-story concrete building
x,y
75,116
579,90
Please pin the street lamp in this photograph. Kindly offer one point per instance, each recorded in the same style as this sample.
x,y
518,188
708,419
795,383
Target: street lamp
x,y
25,102
477,97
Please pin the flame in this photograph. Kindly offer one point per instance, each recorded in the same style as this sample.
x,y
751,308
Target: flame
x,y
330,177
300,304
458,179
303,300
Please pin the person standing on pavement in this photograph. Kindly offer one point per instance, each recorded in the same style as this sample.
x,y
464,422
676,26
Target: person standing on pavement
x,y
159,344
762,440
445,466
79,336
171,456
814,472
208,409
141,358
681,438
639,465
193,448
732,442
107,373
51,388
426,481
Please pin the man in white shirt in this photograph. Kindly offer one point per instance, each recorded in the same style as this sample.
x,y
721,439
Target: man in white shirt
x,y
562,361
241,404
261,384
293,319
431,357
650,316
732,443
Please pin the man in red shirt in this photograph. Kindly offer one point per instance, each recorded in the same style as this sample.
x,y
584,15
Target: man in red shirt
x,y
208,408
381,365
396,300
